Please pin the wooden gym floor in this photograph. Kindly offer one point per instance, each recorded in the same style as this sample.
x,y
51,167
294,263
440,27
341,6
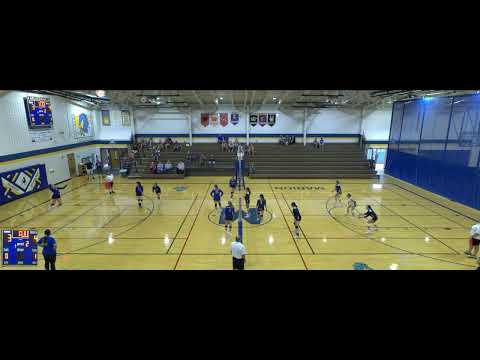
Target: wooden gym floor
x,y
95,230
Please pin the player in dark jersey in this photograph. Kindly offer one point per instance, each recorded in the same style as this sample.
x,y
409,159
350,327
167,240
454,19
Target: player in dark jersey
x,y
296,218
233,184
351,205
216,194
156,189
247,197
261,207
139,193
371,217
56,197
229,215
89,166
338,192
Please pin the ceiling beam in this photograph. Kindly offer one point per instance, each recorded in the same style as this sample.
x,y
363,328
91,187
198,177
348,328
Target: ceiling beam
x,y
198,98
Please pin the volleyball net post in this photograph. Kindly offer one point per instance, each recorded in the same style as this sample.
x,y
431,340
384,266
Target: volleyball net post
x,y
239,171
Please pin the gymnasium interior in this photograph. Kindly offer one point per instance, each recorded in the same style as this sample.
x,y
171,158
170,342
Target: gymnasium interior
x,y
411,155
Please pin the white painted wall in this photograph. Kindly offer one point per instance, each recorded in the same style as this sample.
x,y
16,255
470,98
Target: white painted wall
x,y
116,131
160,121
376,124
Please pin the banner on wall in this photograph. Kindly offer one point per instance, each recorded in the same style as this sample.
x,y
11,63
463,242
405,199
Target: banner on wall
x,y
234,118
253,120
22,182
262,119
204,119
105,117
213,119
224,119
126,118
272,119
82,126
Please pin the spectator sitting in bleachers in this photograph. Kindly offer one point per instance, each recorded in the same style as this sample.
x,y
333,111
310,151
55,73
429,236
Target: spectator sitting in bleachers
x,y
153,167
181,168
160,168
251,150
231,146
211,161
316,144
168,166
177,147
224,146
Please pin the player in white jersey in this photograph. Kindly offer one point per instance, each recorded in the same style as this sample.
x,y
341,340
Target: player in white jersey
x,y
474,241
351,205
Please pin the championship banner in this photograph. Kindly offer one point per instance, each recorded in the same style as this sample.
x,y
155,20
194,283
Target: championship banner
x,y
214,119
262,119
253,120
204,119
272,119
105,117
234,119
126,118
224,119
22,182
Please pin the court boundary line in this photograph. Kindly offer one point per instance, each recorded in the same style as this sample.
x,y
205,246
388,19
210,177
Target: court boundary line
x,y
183,222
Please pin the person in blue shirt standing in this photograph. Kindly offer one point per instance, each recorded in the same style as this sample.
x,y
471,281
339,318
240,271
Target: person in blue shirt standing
x,y
139,193
216,194
229,215
56,198
233,184
156,189
49,250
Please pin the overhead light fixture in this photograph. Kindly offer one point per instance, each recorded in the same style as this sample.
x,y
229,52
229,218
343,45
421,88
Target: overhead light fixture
x,y
279,101
216,101
274,98
100,93
221,98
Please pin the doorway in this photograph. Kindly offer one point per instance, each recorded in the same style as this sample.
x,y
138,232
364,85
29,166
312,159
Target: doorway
x,y
72,165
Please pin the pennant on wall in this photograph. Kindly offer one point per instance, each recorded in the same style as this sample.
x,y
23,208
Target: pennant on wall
x,y
234,118
105,117
204,119
224,119
213,119
262,119
253,120
272,119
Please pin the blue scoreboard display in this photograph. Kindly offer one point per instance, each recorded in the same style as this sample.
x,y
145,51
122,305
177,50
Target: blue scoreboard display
x,y
19,247
39,112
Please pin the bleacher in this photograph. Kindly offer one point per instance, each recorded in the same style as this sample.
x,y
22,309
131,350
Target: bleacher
x,y
270,161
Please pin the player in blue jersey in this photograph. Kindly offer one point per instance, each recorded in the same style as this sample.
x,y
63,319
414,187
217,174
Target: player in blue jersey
x,y
156,189
372,218
261,207
56,197
216,194
338,192
233,184
49,250
247,197
229,215
139,193
296,218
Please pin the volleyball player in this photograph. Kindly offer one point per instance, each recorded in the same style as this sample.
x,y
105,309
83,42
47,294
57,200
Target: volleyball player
x,y
296,218
229,214
261,207
139,193
216,194
233,184
351,205
371,217
338,192
109,183
156,189
56,197
474,241
247,197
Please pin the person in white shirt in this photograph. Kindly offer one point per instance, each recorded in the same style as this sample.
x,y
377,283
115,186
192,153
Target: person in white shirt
x,y
181,167
109,183
238,254
474,241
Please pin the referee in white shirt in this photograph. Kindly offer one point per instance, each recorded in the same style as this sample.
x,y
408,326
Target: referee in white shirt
x,y
238,254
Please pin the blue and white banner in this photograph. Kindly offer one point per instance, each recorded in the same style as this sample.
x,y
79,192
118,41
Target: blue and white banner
x,y
18,183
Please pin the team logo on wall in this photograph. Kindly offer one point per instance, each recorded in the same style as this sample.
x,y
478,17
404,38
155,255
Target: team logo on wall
x,y
17,183
234,119
213,119
253,120
82,126
204,119
262,119
224,119
272,119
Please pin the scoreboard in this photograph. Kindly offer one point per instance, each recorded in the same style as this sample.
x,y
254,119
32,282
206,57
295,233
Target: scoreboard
x,y
19,247
39,112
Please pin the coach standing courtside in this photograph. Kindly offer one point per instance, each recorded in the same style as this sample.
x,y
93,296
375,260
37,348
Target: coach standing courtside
x,y
238,254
